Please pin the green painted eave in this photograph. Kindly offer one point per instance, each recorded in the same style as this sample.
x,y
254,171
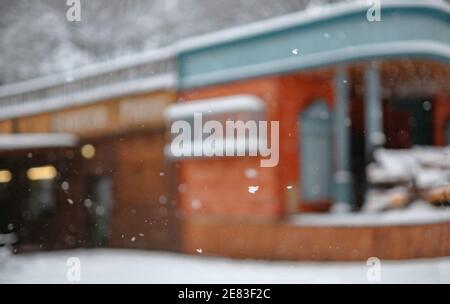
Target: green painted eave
x,y
405,30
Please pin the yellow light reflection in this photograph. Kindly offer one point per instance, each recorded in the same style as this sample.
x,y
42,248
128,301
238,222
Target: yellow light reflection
x,y
41,173
88,151
5,176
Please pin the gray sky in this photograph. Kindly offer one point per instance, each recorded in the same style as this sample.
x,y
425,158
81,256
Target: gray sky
x,y
36,39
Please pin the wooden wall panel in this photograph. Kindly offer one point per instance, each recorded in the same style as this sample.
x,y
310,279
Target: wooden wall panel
x,y
6,126
34,124
143,215
131,113
143,111
90,120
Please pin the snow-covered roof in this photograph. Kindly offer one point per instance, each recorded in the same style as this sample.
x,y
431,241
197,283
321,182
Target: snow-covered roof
x,y
301,41
36,39
132,74
97,69
37,140
33,105
304,17
156,69
211,106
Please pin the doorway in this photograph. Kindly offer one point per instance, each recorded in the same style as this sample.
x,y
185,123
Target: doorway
x,y
315,153
99,203
408,122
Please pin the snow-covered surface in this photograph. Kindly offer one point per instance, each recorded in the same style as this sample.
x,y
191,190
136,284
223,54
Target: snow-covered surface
x,y
417,213
384,199
126,266
37,140
80,65
427,166
104,92
310,15
211,106
95,69
9,238
71,58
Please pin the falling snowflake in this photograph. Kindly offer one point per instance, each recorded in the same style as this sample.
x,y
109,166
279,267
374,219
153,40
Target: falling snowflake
x,y
253,189
251,173
163,200
196,204
87,203
182,188
65,186
295,51
199,250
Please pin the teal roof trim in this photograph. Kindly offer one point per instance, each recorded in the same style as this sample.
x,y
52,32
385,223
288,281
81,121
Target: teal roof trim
x,y
421,31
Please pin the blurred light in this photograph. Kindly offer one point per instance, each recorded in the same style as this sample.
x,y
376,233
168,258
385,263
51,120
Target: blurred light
x,y
5,176
41,173
88,151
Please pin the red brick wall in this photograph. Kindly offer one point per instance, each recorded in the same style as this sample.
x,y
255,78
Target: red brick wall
x,y
298,91
284,241
221,182
219,188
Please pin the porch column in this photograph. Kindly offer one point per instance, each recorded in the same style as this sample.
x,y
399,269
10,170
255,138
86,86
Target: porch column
x,y
343,175
373,110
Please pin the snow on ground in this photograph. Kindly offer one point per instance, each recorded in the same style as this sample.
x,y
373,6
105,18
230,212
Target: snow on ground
x,y
128,266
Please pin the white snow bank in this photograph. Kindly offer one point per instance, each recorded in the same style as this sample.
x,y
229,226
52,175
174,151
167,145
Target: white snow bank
x,y
417,213
427,166
126,266
378,200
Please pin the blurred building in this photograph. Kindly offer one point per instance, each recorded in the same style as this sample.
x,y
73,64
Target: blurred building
x,y
84,162
82,156
341,87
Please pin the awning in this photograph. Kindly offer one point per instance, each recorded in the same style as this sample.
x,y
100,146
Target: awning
x,y
211,106
36,140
